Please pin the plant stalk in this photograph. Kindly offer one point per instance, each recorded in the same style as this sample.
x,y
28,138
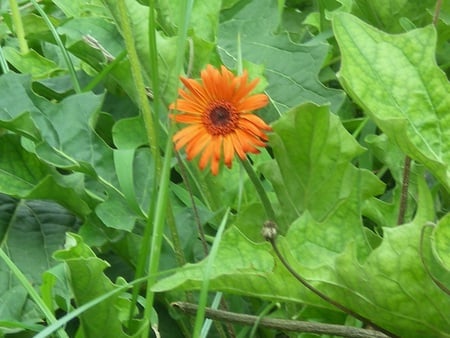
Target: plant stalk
x,y
281,324
18,25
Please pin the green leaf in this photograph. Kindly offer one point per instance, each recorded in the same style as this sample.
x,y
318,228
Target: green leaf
x,y
291,69
31,63
88,282
23,175
313,170
390,15
442,241
30,231
396,80
82,9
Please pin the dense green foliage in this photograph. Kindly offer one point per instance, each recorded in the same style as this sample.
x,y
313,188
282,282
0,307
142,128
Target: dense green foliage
x,y
93,197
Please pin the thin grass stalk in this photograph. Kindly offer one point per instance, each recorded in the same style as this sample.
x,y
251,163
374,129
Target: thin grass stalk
x,y
152,139
65,54
203,298
144,106
32,292
18,25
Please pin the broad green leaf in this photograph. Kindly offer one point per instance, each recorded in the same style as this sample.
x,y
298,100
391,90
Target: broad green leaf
x,y
203,20
67,140
30,231
434,257
313,169
392,15
129,133
82,9
442,241
396,80
291,69
31,63
394,281
88,282
22,175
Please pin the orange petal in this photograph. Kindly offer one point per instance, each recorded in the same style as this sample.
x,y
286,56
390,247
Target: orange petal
x,y
197,144
237,145
253,102
206,156
228,151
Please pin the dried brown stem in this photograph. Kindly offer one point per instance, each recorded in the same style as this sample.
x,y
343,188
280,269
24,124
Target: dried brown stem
x,y
281,324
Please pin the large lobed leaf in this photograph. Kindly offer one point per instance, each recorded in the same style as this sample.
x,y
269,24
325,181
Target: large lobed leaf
x,y
62,134
291,69
88,282
396,80
30,231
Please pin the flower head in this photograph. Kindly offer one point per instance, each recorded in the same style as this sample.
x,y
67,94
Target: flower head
x,y
218,111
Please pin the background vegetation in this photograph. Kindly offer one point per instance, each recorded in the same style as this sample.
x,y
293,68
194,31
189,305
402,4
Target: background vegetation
x,y
100,218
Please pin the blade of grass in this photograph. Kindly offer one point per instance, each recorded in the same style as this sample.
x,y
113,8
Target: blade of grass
x,y
215,305
203,298
31,291
65,54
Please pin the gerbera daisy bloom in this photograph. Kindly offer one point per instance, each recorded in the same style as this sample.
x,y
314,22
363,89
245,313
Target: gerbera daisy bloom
x,y
218,111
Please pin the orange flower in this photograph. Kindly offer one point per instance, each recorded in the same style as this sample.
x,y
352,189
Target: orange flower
x,y
219,115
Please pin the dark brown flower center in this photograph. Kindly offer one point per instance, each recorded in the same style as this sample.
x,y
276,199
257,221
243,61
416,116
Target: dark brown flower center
x,y
221,118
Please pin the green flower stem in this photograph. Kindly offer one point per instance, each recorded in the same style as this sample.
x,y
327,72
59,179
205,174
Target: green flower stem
x,y
259,189
135,65
65,54
18,25
32,292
